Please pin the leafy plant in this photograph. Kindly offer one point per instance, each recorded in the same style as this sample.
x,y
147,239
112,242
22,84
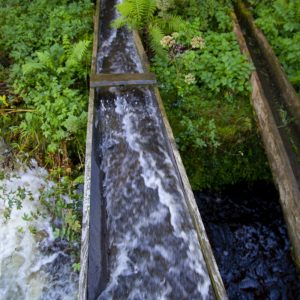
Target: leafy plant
x,y
280,21
135,13
204,81
149,15
49,46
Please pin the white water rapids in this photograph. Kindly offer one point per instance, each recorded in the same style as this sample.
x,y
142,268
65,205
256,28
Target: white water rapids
x,y
143,244
32,266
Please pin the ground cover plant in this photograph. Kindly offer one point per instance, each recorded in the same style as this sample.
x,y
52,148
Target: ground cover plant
x,y
204,82
45,50
47,47
280,22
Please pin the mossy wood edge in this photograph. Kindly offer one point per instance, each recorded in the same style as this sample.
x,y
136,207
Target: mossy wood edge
x,y
107,80
82,291
211,264
287,90
278,158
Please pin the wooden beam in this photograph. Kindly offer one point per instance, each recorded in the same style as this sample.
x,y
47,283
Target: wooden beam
x,y
107,80
82,288
279,160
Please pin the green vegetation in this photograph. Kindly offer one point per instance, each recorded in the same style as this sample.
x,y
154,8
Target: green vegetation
x,y
204,82
47,44
45,61
60,201
280,22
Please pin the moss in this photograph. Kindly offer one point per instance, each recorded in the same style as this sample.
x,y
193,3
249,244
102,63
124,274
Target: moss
x,y
229,164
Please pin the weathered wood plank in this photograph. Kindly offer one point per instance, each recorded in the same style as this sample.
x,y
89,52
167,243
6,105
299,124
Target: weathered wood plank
x,y
287,90
82,290
107,80
210,261
278,158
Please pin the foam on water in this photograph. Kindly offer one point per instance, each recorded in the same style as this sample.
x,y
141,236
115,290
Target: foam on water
x,y
26,270
153,248
146,246
117,52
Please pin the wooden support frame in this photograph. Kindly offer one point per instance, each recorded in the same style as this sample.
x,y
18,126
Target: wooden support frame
x,y
107,80
287,90
216,280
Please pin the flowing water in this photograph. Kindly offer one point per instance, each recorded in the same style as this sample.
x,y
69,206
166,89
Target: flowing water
x,y
249,239
142,241
32,266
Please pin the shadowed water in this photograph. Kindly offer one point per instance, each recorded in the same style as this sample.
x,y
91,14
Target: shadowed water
x,y
250,243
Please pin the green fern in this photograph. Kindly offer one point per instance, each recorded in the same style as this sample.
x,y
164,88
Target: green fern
x,y
77,53
31,67
139,14
170,23
135,13
155,36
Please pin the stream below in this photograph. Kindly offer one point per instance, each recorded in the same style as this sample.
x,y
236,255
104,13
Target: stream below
x,y
34,264
248,235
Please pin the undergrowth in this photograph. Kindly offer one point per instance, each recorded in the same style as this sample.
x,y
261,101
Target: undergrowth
x,y
204,82
280,22
45,61
48,46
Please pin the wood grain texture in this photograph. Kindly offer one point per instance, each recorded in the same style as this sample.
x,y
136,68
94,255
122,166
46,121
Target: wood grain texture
x,y
278,158
107,80
287,90
82,291
212,267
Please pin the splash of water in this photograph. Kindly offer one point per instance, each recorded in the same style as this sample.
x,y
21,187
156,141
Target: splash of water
x,y
154,250
32,266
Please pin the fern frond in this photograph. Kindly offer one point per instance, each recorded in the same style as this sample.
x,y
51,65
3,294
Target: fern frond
x,y
119,22
77,53
170,23
66,42
32,67
155,36
45,59
135,13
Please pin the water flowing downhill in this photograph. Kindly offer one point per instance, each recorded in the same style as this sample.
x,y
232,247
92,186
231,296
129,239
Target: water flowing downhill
x,y
143,245
32,266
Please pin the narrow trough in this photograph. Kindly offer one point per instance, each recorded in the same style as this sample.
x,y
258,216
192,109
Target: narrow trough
x,y
143,237
277,108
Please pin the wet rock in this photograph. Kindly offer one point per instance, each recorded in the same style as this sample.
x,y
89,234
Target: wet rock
x,y
5,155
250,243
248,284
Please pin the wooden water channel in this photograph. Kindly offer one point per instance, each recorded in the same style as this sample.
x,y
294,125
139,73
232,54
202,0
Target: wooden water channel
x,y
109,80
282,166
281,141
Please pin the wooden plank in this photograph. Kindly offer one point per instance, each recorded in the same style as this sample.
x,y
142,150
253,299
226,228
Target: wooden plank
x,y
210,261
107,80
287,90
278,158
82,289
